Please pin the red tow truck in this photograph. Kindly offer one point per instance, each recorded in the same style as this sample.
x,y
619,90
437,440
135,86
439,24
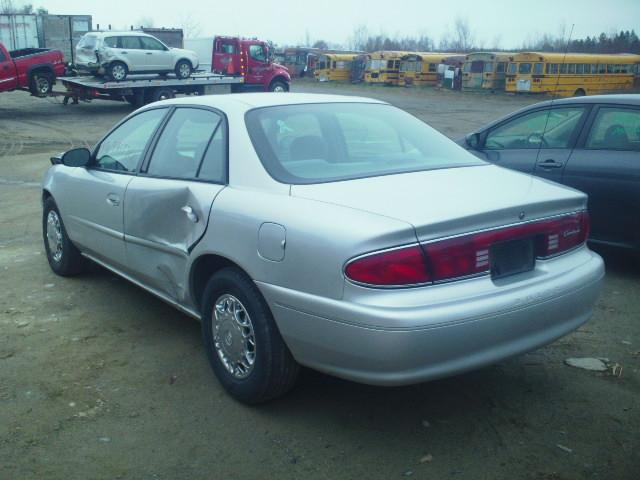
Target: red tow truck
x,y
32,69
251,59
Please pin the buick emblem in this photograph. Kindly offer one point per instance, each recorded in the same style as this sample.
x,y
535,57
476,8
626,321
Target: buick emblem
x,y
521,215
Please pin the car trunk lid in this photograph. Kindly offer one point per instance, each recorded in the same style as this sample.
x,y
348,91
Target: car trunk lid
x,y
451,201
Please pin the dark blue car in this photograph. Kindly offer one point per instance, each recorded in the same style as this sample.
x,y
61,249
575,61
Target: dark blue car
x,y
589,143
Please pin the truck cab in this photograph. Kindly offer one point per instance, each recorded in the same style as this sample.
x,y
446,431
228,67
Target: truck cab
x,y
250,59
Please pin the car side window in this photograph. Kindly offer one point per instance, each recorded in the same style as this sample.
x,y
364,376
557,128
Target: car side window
x,y
151,44
183,143
124,147
549,128
615,129
111,42
2,56
130,42
257,53
214,163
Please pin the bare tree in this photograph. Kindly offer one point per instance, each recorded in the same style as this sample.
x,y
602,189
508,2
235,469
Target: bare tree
x,y
462,34
145,21
190,26
359,38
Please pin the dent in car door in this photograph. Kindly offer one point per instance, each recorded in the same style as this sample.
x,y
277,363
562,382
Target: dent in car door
x,y
167,207
606,166
164,219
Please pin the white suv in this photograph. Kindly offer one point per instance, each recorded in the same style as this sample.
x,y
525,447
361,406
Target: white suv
x,y
118,54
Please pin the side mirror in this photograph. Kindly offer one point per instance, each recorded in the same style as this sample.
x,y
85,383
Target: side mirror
x,y
473,140
78,157
534,139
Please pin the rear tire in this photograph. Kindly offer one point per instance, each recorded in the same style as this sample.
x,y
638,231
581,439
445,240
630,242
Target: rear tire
x,y
41,84
160,93
579,93
183,69
63,256
117,71
267,370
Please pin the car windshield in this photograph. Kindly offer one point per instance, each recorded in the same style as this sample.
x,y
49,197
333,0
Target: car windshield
x,y
315,143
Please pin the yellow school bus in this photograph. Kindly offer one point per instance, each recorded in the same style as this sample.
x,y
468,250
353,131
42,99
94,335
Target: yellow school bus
x,y
383,67
420,68
570,74
334,66
485,71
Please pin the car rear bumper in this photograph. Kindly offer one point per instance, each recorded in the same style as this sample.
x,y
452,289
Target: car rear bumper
x,y
432,341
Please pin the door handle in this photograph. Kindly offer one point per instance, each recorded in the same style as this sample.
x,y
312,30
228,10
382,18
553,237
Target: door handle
x,y
191,215
551,163
149,53
113,200
124,52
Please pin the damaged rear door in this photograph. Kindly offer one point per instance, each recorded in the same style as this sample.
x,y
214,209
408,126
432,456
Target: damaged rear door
x,y
167,206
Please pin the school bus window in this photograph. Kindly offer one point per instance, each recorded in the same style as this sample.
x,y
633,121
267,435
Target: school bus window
x,y
538,68
488,67
334,64
563,68
500,67
433,67
552,68
512,68
602,68
524,68
580,68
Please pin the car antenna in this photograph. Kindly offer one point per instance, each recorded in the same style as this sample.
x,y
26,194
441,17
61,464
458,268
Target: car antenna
x,y
554,95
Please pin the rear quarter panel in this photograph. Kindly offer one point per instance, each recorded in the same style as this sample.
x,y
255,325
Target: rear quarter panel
x,y
320,238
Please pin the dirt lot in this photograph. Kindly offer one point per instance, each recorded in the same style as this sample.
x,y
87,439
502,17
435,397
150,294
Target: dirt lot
x,y
98,379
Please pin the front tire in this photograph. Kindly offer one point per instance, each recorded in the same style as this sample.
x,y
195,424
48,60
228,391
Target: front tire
x,y
117,71
183,69
278,86
63,256
243,344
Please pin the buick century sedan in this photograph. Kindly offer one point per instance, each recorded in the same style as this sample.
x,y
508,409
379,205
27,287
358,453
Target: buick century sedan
x,y
336,233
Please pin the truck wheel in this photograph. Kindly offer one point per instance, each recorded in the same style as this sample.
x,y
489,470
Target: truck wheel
x,y
183,69
160,93
278,86
41,84
243,344
117,71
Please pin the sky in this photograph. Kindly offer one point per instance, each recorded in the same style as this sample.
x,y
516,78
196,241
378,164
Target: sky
x,y
290,22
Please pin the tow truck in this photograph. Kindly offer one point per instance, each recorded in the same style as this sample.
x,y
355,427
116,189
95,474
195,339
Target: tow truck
x,y
237,65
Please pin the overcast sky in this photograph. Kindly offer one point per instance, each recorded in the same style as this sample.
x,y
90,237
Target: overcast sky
x,y
286,22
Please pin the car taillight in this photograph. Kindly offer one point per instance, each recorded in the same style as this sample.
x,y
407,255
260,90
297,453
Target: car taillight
x,y
402,266
465,255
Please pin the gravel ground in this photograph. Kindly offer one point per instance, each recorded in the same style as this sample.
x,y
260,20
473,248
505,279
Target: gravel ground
x,y
98,379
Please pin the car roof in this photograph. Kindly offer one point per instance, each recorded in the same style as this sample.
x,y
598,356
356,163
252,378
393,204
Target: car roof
x,y
112,33
248,101
626,99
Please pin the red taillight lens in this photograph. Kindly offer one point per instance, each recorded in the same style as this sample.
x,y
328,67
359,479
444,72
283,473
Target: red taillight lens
x,y
465,255
404,266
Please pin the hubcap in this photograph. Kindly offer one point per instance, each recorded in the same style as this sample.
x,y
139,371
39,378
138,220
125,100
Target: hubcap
x,y
233,336
118,72
184,70
54,236
43,85
279,88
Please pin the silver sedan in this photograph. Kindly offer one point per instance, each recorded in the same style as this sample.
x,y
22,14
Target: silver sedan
x,y
337,233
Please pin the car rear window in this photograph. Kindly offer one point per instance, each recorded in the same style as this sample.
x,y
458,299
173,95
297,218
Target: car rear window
x,y
325,142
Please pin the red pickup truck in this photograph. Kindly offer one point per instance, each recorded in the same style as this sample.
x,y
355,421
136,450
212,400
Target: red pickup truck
x,y
34,69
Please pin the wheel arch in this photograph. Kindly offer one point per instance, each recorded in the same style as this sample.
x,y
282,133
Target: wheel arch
x,y
41,67
279,78
202,269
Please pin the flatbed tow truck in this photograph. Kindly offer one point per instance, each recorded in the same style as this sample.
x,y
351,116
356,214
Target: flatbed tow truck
x,y
140,90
